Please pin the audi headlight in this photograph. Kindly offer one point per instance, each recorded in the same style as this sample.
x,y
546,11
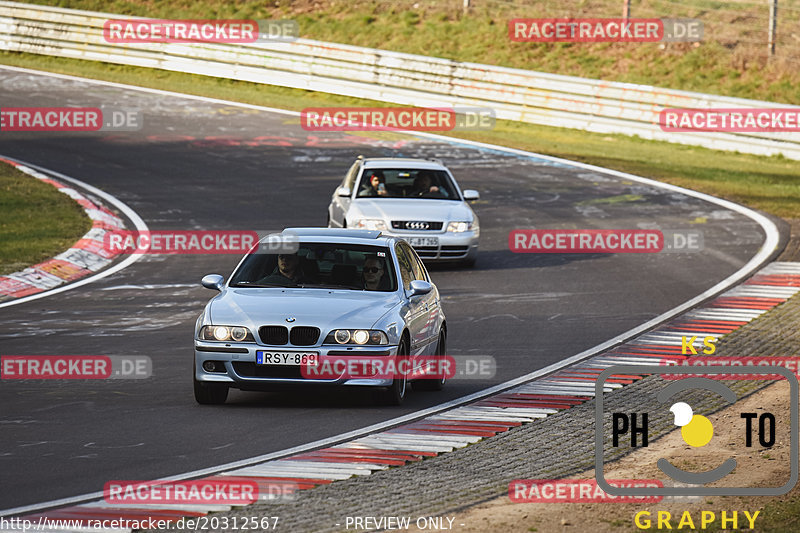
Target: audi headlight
x,y
357,336
459,227
371,223
226,333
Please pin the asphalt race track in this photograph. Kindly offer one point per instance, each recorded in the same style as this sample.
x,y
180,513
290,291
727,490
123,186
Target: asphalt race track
x,y
201,165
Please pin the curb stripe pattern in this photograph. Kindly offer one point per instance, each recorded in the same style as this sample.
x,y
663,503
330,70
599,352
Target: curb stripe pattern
x,y
446,431
85,257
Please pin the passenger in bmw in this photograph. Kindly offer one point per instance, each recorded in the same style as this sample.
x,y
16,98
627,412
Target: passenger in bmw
x,y
287,273
373,274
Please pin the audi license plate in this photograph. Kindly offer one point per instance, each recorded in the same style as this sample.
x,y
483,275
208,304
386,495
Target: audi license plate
x,y
423,241
287,358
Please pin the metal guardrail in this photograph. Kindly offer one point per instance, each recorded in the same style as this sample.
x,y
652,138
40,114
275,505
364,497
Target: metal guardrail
x,y
514,94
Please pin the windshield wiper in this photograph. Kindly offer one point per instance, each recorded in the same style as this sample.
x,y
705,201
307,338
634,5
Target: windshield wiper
x,y
325,286
261,286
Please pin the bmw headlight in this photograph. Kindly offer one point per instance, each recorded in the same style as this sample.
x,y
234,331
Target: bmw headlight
x,y
461,227
371,223
226,333
357,336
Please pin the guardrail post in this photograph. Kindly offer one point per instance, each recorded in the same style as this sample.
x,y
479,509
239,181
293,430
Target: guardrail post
x,y
773,24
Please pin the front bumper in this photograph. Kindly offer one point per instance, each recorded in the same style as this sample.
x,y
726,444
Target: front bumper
x,y
452,246
236,365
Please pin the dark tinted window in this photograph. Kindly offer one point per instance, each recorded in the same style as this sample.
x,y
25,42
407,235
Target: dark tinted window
x,y
405,183
316,265
406,265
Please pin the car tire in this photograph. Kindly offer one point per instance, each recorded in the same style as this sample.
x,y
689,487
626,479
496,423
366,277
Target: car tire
x,y
396,393
434,384
210,393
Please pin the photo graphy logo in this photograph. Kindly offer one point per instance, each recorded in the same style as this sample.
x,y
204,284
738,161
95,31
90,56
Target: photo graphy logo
x,y
629,430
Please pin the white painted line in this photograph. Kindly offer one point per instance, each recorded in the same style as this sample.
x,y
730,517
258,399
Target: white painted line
x,y
398,446
763,291
767,248
348,466
433,438
199,508
130,213
782,267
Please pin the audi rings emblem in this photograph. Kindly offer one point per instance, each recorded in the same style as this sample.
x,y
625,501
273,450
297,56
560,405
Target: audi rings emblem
x,y
417,225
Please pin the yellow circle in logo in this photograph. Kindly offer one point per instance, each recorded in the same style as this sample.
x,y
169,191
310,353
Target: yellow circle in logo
x,y
698,432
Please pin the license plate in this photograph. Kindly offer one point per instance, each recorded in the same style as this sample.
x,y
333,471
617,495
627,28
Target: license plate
x,y
423,241
287,358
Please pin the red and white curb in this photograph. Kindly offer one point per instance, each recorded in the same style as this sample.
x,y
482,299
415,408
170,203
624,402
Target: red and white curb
x,y
456,428
85,257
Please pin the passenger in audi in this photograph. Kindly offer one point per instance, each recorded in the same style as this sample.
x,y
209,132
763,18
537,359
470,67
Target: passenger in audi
x,y
374,186
373,274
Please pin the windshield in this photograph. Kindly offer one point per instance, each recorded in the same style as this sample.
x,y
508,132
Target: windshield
x,y
320,265
405,183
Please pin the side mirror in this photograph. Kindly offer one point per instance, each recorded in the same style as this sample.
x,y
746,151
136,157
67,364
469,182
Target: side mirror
x,y
419,287
471,195
344,190
213,281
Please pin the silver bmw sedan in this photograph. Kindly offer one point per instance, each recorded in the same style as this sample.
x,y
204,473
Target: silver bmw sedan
x,y
316,307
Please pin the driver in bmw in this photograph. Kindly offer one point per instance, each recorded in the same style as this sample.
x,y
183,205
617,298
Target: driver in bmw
x,y
287,272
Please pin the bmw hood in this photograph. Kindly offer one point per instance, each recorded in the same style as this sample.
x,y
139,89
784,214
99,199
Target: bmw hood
x,y
323,308
411,209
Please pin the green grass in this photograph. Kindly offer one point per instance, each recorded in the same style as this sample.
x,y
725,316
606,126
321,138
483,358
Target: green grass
x,y
781,516
731,60
36,221
771,184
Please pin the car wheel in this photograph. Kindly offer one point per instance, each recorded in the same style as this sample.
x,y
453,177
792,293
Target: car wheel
x,y
396,393
210,393
434,384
